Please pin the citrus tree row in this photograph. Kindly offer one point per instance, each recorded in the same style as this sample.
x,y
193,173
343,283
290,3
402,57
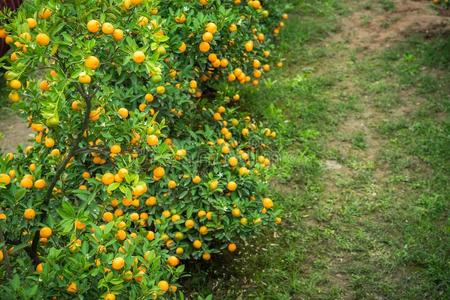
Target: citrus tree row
x,y
141,158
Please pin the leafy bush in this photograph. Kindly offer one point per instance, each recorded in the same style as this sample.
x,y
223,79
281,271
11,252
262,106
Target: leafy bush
x,y
141,158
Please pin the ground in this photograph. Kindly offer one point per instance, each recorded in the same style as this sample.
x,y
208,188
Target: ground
x,y
364,171
362,109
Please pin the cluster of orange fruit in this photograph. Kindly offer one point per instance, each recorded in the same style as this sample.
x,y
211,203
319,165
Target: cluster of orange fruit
x,y
156,164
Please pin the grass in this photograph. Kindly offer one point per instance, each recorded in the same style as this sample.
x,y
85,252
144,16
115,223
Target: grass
x,y
377,225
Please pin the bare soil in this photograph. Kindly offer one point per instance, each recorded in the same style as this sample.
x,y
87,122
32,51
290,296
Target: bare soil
x,y
15,132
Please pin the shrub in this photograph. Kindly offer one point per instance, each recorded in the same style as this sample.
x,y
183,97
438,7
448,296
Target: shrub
x,y
141,159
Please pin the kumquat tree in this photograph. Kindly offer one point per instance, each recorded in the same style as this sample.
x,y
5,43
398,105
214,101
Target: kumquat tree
x,y
141,158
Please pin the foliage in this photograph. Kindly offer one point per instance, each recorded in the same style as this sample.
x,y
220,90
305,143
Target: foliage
x,y
442,3
141,158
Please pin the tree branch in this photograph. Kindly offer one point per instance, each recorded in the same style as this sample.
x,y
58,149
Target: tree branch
x,y
62,166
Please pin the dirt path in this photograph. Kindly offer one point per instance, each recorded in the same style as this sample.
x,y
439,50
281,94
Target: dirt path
x,y
14,132
365,33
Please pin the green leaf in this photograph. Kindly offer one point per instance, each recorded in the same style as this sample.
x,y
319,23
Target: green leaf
x,y
113,186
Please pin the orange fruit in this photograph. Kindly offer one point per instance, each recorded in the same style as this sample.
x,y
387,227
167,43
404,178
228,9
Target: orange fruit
x,y
182,47
79,225
26,182
107,178
151,201
45,232
91,62
123,113
249,46
158,172
212,57
232,186
140,189
224,62
213,185
72,288
93,26
152,140
189,224
15,84
236,212
193,84
197,179
175,218
39,268
32,167
142,21
172,184
42,39
115,149
197,244
232,247
206,256
55,152
40,184
207,37
84,78
160,89
138,57
118,263
14,97
107,216
148,97
134,217
49,142
233,161
75,105
150,235
163,285
45,13
204,47
121,235
211,27
5,179
31,23
109,296
118,34
122,172
203,230
173,261
107,28
29,214
267,203
44,85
